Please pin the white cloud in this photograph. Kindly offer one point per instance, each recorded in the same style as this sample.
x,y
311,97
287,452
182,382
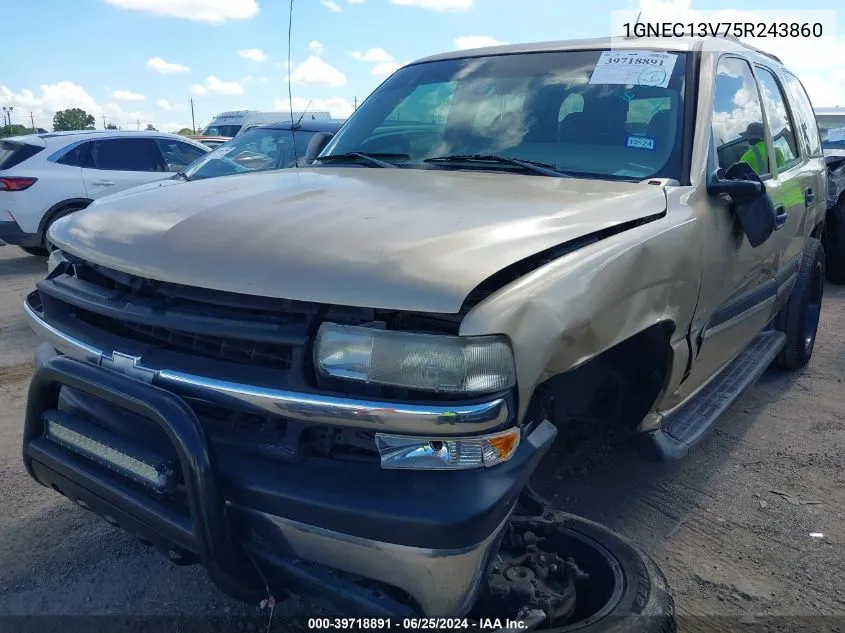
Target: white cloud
x,y
255,54
332,6
211,11
386,68
315,47
372,55
213,84
356,1
66,94
164,104
127,95
475,41
816,61
165,68
315,71
339,107
437,5
198,89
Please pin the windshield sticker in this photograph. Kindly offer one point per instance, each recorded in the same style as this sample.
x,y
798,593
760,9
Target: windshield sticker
x,y
634,68
836,134
640,142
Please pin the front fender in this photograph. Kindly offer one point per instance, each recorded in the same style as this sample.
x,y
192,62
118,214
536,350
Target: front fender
x,y
574,308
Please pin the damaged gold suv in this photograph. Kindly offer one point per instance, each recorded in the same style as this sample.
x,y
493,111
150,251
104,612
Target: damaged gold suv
x,y
359,364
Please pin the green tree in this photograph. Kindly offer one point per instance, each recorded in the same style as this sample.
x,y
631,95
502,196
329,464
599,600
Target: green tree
x,y
15,129
151,128
185,131
72,119
111,126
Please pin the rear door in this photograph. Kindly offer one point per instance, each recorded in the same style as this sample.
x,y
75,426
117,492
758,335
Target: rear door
x,y
791,186
114,164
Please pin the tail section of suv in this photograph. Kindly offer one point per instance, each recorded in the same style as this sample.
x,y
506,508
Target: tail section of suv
x,y
46,176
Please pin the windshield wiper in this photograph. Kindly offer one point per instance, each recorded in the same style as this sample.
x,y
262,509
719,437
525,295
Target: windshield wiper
x,y
544,169
372,158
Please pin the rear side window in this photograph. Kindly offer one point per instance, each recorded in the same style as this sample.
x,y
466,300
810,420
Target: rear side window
x,y
12,154
125,154
178,155
780,123
805,123
75,157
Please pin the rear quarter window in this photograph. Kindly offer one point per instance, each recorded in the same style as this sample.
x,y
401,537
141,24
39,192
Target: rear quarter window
x,y
12,154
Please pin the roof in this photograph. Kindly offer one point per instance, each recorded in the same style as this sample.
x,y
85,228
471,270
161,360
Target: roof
x,y
99,133
208,137
682,44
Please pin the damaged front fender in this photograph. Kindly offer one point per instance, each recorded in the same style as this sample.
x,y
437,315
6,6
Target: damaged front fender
x,y
578,306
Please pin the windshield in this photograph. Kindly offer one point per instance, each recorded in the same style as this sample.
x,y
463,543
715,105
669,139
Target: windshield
x,y
257,150
221,130
832,129
587,113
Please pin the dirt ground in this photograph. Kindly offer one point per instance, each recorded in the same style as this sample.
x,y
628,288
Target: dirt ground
x,y
731,526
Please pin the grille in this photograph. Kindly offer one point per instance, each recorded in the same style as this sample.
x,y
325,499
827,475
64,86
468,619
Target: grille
x,y
203,345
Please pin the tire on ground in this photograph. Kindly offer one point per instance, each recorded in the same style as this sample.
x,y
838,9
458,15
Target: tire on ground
x,y
799,318
645,606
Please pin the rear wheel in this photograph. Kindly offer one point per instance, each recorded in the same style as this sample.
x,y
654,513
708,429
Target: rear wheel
x,y
834,243
799,318
48,246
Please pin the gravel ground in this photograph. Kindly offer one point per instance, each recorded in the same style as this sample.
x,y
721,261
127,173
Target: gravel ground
x,y
730,526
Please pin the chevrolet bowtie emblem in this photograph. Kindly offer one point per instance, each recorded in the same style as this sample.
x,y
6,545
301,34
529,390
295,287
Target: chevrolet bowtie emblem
x,y
128,365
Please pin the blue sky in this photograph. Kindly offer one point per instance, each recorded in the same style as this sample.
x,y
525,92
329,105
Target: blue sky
x,y
142,60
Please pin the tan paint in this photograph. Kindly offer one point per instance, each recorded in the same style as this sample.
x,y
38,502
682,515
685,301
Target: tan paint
x,y
422,240
389,238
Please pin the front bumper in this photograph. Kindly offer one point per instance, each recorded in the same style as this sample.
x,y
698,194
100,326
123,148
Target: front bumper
x,y
429,534
11,233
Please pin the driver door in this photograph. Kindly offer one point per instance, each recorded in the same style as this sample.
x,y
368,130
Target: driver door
x,y
739,289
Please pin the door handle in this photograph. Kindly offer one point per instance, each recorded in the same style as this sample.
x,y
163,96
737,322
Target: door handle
x,y
103,183
780,216
809,196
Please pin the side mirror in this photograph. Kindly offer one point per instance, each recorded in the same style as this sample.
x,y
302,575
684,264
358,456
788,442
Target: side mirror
x,y
749,200
318,144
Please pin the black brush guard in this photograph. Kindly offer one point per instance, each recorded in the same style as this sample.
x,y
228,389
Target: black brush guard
x,y
204,536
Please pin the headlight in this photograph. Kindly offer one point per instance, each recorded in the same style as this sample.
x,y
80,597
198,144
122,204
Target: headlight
x,y
430,362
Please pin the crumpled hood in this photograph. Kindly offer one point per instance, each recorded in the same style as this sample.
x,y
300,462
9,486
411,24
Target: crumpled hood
x,y
384,238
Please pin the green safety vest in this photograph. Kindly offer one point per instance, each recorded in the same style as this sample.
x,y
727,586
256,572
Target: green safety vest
x,y
757,157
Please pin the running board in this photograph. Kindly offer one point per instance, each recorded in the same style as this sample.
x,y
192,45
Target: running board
x,y
687,425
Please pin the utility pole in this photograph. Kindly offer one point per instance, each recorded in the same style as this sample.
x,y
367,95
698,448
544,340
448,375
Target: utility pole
x,y
32,119
138,121
104,121
355,107
193,121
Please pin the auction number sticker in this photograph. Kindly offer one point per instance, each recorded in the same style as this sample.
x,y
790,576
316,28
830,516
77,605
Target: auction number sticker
x,y
634,68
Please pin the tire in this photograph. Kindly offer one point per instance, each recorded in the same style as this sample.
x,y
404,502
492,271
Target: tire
x,y
834,243
799,318
37,251
634,595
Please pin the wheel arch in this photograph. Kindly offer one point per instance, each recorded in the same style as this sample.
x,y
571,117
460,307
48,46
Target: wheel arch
x,y
50,214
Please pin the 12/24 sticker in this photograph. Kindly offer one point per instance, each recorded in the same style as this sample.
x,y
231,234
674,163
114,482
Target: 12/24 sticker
x,y
640,142
634,68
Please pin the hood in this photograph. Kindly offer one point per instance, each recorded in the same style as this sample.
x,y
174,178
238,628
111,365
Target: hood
x,y
380,238
149,186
